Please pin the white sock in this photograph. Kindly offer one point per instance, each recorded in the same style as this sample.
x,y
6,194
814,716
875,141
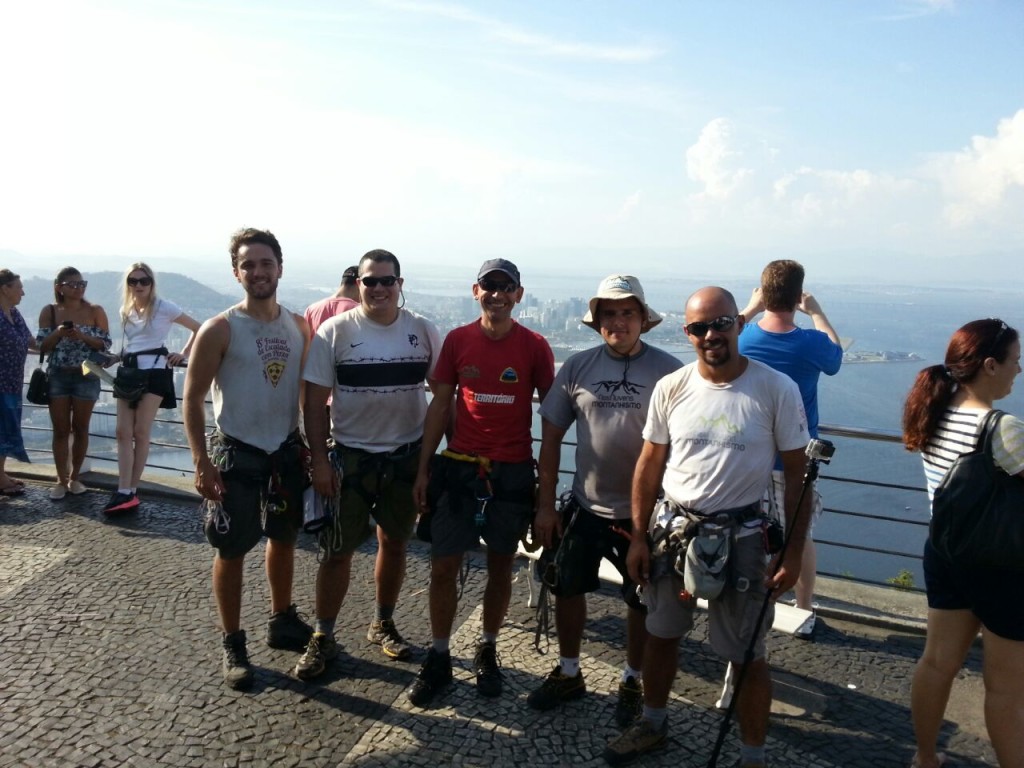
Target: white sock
x,y
125,491
570,667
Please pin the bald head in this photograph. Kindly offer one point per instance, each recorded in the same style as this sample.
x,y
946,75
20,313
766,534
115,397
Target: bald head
x,y
711,301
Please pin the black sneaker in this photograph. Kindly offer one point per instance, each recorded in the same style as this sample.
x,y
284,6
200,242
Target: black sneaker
x,y
236,667
385,634
557,688
434,676
488,670
287,630
312,663
639,738
630,703
121,503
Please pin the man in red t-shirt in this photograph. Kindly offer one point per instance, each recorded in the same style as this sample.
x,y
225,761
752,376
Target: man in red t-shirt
x,y
483,483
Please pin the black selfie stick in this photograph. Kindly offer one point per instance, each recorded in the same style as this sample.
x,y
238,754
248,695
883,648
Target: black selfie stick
x,y
817,451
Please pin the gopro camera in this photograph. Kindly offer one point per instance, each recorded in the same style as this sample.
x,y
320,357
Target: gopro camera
x,y
820,450
68,324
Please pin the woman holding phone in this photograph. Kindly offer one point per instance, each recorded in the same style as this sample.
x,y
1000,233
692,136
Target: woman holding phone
x,y
146,321
69,331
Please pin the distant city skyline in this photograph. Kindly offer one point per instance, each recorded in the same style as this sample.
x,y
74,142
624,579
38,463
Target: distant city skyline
x,y
874,140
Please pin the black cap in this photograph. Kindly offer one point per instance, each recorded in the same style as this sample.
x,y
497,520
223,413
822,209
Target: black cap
x,y
348,277
499,265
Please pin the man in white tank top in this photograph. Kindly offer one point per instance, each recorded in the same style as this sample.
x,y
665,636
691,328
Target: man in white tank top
x,y
252,357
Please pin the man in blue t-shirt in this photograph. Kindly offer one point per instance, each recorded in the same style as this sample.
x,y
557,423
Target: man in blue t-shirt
x,y
802,354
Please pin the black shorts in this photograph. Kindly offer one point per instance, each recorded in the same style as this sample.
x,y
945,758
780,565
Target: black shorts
x,y
577,558
993,595
262,495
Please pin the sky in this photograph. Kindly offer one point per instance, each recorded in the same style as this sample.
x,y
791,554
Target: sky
x,y
868,138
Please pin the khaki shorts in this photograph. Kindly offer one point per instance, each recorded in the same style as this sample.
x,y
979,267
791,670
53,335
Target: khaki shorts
x,y
377,485
731,616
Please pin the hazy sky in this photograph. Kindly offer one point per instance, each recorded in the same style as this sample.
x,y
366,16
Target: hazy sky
x,y
857,136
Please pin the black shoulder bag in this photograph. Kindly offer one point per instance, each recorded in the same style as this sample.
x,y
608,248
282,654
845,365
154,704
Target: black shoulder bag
x,y
39,385
978,509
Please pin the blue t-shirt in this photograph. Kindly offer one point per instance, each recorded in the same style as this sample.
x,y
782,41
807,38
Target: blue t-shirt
x,y
802,354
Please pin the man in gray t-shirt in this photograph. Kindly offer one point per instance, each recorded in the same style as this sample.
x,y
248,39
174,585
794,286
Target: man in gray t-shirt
x,y
605,391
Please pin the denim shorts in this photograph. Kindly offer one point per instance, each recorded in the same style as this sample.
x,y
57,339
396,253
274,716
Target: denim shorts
x,y
71,382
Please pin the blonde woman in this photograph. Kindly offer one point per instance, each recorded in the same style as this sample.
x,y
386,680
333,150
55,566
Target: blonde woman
x,y
146,321
70,330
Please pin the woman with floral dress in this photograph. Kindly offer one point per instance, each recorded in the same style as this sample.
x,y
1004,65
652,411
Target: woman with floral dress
x,y
15,342
69,331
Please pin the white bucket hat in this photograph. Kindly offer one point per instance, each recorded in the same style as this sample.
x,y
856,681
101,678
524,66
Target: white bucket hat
x,y
621,287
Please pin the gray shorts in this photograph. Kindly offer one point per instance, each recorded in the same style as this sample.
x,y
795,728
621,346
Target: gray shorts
x,y
454,489
64,382
731,616
262,495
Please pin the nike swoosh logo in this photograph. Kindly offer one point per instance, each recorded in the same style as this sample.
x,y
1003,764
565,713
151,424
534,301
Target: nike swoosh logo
x,y
359,344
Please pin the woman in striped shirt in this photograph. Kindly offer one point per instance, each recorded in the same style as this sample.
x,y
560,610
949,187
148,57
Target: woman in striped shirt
x,y
941,419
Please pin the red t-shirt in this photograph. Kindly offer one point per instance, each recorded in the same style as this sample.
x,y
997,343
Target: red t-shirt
x,y
495,381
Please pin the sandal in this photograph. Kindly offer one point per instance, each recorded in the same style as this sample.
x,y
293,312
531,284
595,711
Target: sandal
x,y
14,489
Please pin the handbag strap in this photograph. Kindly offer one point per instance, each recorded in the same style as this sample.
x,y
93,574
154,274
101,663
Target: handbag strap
x,y
53,323
988,426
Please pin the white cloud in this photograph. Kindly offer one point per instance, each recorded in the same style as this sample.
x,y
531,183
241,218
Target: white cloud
x,y
715,163
541,45
979,179
629,205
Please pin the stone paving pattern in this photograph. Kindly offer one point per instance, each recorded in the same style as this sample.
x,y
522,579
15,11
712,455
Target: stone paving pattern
x,y
110,656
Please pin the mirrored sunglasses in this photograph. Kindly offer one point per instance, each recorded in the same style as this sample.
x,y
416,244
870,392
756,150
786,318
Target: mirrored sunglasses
x,y
719,324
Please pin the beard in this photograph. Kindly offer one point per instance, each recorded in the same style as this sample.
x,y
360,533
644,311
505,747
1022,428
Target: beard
x,y
715,355
261,290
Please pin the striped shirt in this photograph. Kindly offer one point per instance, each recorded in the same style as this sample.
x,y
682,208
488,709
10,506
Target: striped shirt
x,y
957,433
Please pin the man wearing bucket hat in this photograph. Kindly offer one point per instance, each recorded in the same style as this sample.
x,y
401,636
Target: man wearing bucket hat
x,y
482,484
605,391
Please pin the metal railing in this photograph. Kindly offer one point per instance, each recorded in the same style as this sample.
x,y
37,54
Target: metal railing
x,y
874,514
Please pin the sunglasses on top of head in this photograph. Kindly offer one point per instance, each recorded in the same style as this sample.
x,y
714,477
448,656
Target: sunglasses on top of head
x,y
143,281
496,286
373,282
719,324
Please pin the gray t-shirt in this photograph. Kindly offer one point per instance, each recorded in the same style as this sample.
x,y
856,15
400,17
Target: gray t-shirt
x,y
608,400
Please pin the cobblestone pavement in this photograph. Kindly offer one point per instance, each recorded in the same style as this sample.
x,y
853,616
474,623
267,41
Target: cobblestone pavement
x,y
110,655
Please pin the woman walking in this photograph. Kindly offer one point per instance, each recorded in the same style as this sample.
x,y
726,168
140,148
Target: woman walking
x,y
146,320
15,342
69,331
941,419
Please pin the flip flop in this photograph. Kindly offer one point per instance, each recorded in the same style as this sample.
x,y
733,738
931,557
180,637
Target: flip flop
x,y
13,490
943,760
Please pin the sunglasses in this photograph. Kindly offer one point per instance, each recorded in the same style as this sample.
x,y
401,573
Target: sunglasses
x,y
373,282
719,324
74,283
143,281
492,286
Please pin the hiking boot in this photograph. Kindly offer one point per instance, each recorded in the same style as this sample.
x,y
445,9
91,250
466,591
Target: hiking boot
x,y
385,634
285,629
557,688
236,667
639,738
630,703
434,676
488,671
312,663
121,503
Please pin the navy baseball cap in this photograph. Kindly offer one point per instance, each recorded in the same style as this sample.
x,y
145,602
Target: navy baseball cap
x,y
499,265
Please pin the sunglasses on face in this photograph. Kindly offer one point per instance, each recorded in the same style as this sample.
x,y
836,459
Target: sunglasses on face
x,y
493,286
719,324
74,283
143,281
373,282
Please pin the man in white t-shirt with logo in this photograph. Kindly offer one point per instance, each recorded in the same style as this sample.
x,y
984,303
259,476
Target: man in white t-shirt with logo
x,y
712,433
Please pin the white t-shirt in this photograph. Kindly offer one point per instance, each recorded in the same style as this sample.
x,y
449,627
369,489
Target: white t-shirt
x,y
140,335
377,373
723,438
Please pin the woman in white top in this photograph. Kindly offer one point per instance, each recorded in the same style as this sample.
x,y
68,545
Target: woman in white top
x,y
145,321
941,420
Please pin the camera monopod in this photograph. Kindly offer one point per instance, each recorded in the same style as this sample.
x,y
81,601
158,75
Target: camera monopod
x,y
818,451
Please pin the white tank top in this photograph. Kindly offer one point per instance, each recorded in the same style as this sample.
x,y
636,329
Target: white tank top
x,y
256,389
